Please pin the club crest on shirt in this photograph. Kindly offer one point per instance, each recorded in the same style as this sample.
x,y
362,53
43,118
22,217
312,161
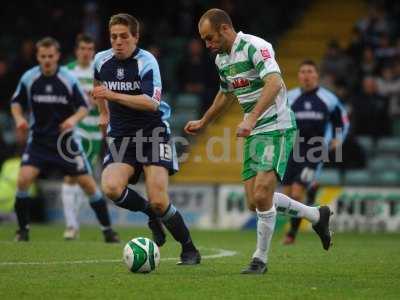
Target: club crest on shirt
x,y
120,73
49,88
265,54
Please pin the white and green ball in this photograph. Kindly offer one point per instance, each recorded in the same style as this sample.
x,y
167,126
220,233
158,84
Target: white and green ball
x,y
141,255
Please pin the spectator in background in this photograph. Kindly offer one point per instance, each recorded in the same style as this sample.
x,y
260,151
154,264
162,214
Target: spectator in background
x,y
385,52
91,21
195,73
373,25
192,70
368,65
6,84
370,111
26,58
336,63
389,86
356,46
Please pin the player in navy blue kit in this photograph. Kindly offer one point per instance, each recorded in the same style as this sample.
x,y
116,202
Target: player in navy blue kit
x,y
128,91
322,122
56,103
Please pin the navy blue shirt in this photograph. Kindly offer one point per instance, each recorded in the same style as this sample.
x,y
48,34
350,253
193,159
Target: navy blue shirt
x,y
318,113
137,75
49,99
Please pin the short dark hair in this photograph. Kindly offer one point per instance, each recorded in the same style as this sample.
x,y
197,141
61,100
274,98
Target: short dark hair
x,y
216,17
309,62
48,42
127,20
85,38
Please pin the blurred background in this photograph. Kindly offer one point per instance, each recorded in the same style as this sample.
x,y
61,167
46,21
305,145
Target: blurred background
x,y
355,42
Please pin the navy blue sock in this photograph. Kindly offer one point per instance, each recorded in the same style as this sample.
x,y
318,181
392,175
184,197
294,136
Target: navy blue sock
x,y
21,207
175,224
133,201
294,226
99,205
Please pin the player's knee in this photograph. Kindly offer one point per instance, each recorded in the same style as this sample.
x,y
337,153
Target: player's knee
x,y
112,190
159,206
251,206
262,195
298,192
158,197
23,182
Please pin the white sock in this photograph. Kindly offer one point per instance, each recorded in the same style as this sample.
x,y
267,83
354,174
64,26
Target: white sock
x,y
68,196
293,208
80,198
265,230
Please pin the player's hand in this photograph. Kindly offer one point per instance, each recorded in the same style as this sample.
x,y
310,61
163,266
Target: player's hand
x,y
194,127
334,144
102,92
245,127
92,101
104,119
68,124
21,124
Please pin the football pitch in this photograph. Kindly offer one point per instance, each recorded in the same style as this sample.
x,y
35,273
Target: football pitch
x,y
359,266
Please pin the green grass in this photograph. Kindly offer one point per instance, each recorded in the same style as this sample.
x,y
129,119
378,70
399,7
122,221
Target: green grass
x,y
358,267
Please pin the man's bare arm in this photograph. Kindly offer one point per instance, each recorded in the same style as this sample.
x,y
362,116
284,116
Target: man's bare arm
x,y
273,84
18,115
221,102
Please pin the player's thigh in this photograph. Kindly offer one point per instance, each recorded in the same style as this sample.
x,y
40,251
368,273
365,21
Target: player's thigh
x,y
156,180
249,190
70,180
115,178
287,190
264,188
26,176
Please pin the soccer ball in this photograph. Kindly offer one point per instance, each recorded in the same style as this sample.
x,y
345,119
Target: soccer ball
x,y
141,255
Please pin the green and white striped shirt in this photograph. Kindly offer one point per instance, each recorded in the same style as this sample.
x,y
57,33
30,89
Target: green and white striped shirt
x,y
241,73
90,124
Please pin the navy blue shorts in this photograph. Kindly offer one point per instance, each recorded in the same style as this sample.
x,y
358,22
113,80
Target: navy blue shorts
x,y
301,172
66,156
126,150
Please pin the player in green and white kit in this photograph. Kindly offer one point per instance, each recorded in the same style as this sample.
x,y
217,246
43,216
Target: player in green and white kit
x,y
88,129
249,73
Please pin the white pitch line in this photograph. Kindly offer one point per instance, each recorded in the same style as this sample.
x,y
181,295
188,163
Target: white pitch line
x,y
220,253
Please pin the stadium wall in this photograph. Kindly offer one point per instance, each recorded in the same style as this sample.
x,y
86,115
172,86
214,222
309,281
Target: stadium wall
x,y
361,209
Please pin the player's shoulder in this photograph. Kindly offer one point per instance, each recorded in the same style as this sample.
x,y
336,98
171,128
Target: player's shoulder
x,y
145,57
103,54
328,97
71,65
325,93
30,74
101,57
220,59
294,93
66,76
255,41
65,71
144,54
146,62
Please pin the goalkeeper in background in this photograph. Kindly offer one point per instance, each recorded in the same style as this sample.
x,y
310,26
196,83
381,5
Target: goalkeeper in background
x,y
88,130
